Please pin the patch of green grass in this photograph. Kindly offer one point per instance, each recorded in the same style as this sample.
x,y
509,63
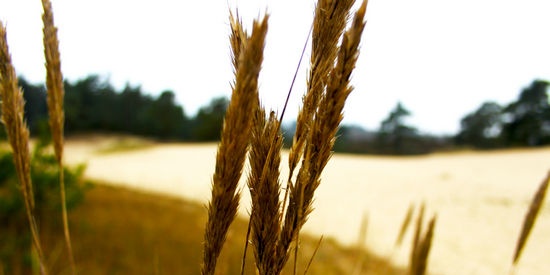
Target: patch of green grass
x,y
124,144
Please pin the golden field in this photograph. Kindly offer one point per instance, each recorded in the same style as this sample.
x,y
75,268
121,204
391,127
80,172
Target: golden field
x,y
480,198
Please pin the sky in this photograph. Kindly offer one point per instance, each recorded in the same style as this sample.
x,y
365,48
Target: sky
x,y
440,58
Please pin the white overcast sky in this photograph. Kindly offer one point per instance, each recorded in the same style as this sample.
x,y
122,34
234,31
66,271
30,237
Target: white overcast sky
x,y
440,58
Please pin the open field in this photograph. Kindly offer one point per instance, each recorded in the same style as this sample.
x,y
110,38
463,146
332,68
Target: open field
x,y
480,197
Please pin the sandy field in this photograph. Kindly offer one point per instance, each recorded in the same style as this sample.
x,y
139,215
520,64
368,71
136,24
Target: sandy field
x,y
480,198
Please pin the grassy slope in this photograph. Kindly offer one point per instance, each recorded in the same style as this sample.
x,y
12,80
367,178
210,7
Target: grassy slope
x,y
121,231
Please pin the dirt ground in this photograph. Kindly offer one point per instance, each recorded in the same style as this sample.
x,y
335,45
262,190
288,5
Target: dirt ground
x,y
480,198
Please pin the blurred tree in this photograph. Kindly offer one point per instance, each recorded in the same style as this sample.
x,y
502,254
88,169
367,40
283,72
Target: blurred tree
x,y
15,240
107,110
36,109
394,124
354,139
288,130
527,121
131,112
92,104
395,137
168,120
208,122
482,128
85,110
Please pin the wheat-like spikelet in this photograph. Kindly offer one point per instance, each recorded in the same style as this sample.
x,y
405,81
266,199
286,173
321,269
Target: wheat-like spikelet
x,y
324,118
55,92
233,146
322,59
328,24
264,186
237,38
530,218
18,135
54,79
329,113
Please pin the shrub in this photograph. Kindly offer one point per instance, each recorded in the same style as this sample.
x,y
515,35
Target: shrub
x,y
15,246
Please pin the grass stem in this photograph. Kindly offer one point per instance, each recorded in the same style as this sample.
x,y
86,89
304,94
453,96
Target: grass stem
x,y
55,98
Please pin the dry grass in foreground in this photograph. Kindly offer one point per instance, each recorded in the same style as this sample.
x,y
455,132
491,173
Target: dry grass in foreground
x,y
121,231
118,231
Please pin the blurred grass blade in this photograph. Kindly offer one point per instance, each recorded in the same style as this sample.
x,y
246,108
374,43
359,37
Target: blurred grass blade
x,y
13,106
530,218
416,240
361,240
313,255
424,249
404,226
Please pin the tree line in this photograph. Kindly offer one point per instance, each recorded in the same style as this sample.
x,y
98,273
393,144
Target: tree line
x,y
94,105
524,122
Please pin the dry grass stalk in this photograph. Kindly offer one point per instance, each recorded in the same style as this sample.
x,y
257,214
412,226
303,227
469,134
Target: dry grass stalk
x,y
421,244
531,217
404,226
54,79
325,37
233,146
424,249
416,239
18,135
264,186
323,104
328,88
237,39
360,246
328,24
313,255
56,93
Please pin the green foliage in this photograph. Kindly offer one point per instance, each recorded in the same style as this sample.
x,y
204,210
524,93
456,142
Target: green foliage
x,y
167,118
529,117
208,123
482,128
15,244
36,108
93,105
10,203
45,177
525,122
395,137
394,124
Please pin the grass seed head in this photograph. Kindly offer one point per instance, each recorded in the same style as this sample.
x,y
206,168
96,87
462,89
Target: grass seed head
x,y
235,138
